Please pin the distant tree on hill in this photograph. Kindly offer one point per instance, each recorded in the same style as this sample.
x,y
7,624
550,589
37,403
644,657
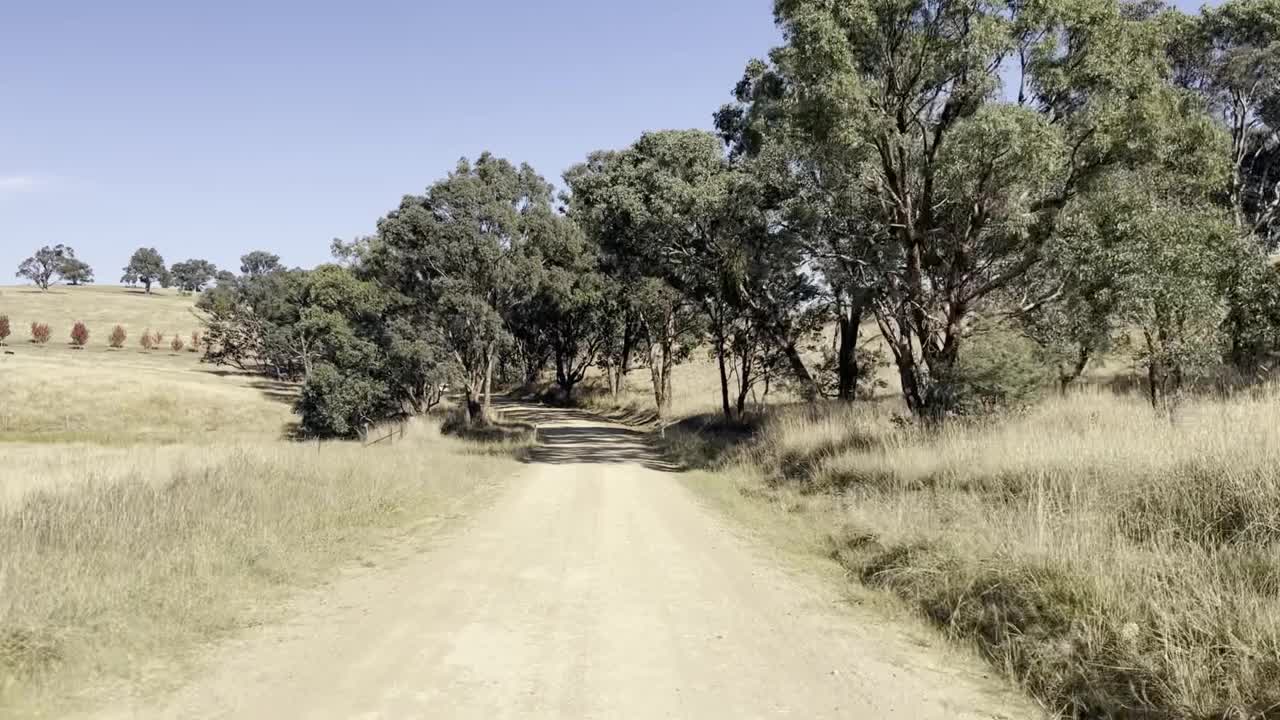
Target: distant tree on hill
x,y
260,262
46,264
146,267
76,271
193,275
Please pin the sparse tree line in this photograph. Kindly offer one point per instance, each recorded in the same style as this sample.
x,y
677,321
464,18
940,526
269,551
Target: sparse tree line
x,y
983,183
41,333
146,267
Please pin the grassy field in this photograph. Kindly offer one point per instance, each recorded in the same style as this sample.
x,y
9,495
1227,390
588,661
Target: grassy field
x,y
1113,562
150,504
101,308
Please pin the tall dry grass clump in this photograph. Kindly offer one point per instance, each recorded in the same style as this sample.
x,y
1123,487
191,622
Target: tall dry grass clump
x,y
155,549
1115,562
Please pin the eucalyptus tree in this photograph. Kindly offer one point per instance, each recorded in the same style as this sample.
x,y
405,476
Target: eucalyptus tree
x,y
259,263
45,264
813,198
1230,55
76,271
146,266
683,225
966,188
458,259
193,275
642,204
571,312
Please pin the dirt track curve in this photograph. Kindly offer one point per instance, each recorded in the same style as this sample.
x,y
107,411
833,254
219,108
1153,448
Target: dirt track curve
x,y
595,586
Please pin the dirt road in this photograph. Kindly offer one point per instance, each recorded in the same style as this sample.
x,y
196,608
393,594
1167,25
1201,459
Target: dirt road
x,y
596,586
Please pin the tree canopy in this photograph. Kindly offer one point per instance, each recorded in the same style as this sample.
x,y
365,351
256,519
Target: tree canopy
x,y
47,264
146,266
979,182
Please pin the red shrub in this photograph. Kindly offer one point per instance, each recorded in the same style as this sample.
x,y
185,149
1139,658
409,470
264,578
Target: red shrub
x,y
118,336
79,335
39,333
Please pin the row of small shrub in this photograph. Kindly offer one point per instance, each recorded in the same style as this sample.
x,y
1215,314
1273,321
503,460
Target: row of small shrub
x,y
40,335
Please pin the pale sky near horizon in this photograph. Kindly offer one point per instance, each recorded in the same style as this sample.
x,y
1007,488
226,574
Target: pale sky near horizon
x,y
211,129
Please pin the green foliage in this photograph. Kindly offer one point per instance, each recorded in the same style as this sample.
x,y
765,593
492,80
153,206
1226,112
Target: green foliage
x,y
1002,370
76,272
1229,55
46,264
457,259
675,210
146,266
337,404
259,263
902,103
193,275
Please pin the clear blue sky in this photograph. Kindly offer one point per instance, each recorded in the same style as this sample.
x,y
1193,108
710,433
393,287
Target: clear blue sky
x,y
207,129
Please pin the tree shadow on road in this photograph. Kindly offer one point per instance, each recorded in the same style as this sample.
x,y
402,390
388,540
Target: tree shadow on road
x,y
586,440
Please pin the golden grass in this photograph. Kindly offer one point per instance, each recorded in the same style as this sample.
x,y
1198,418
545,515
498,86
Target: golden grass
x,y
72,397
100,307
1113,562
149,503
128,557
695,388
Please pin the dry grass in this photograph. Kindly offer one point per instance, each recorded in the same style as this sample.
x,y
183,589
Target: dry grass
x,y
149,504
1113,562
695,388
100,307
104,574
73,397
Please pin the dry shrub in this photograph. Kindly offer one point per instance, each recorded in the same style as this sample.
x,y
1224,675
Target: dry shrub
x,y
118,337
79,335
5,329
196,337
147,341
1116,563
176,344
40,333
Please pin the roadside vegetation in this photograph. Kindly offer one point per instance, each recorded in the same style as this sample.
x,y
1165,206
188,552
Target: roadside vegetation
x,y
119,561
914,226
1112,562
151,504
